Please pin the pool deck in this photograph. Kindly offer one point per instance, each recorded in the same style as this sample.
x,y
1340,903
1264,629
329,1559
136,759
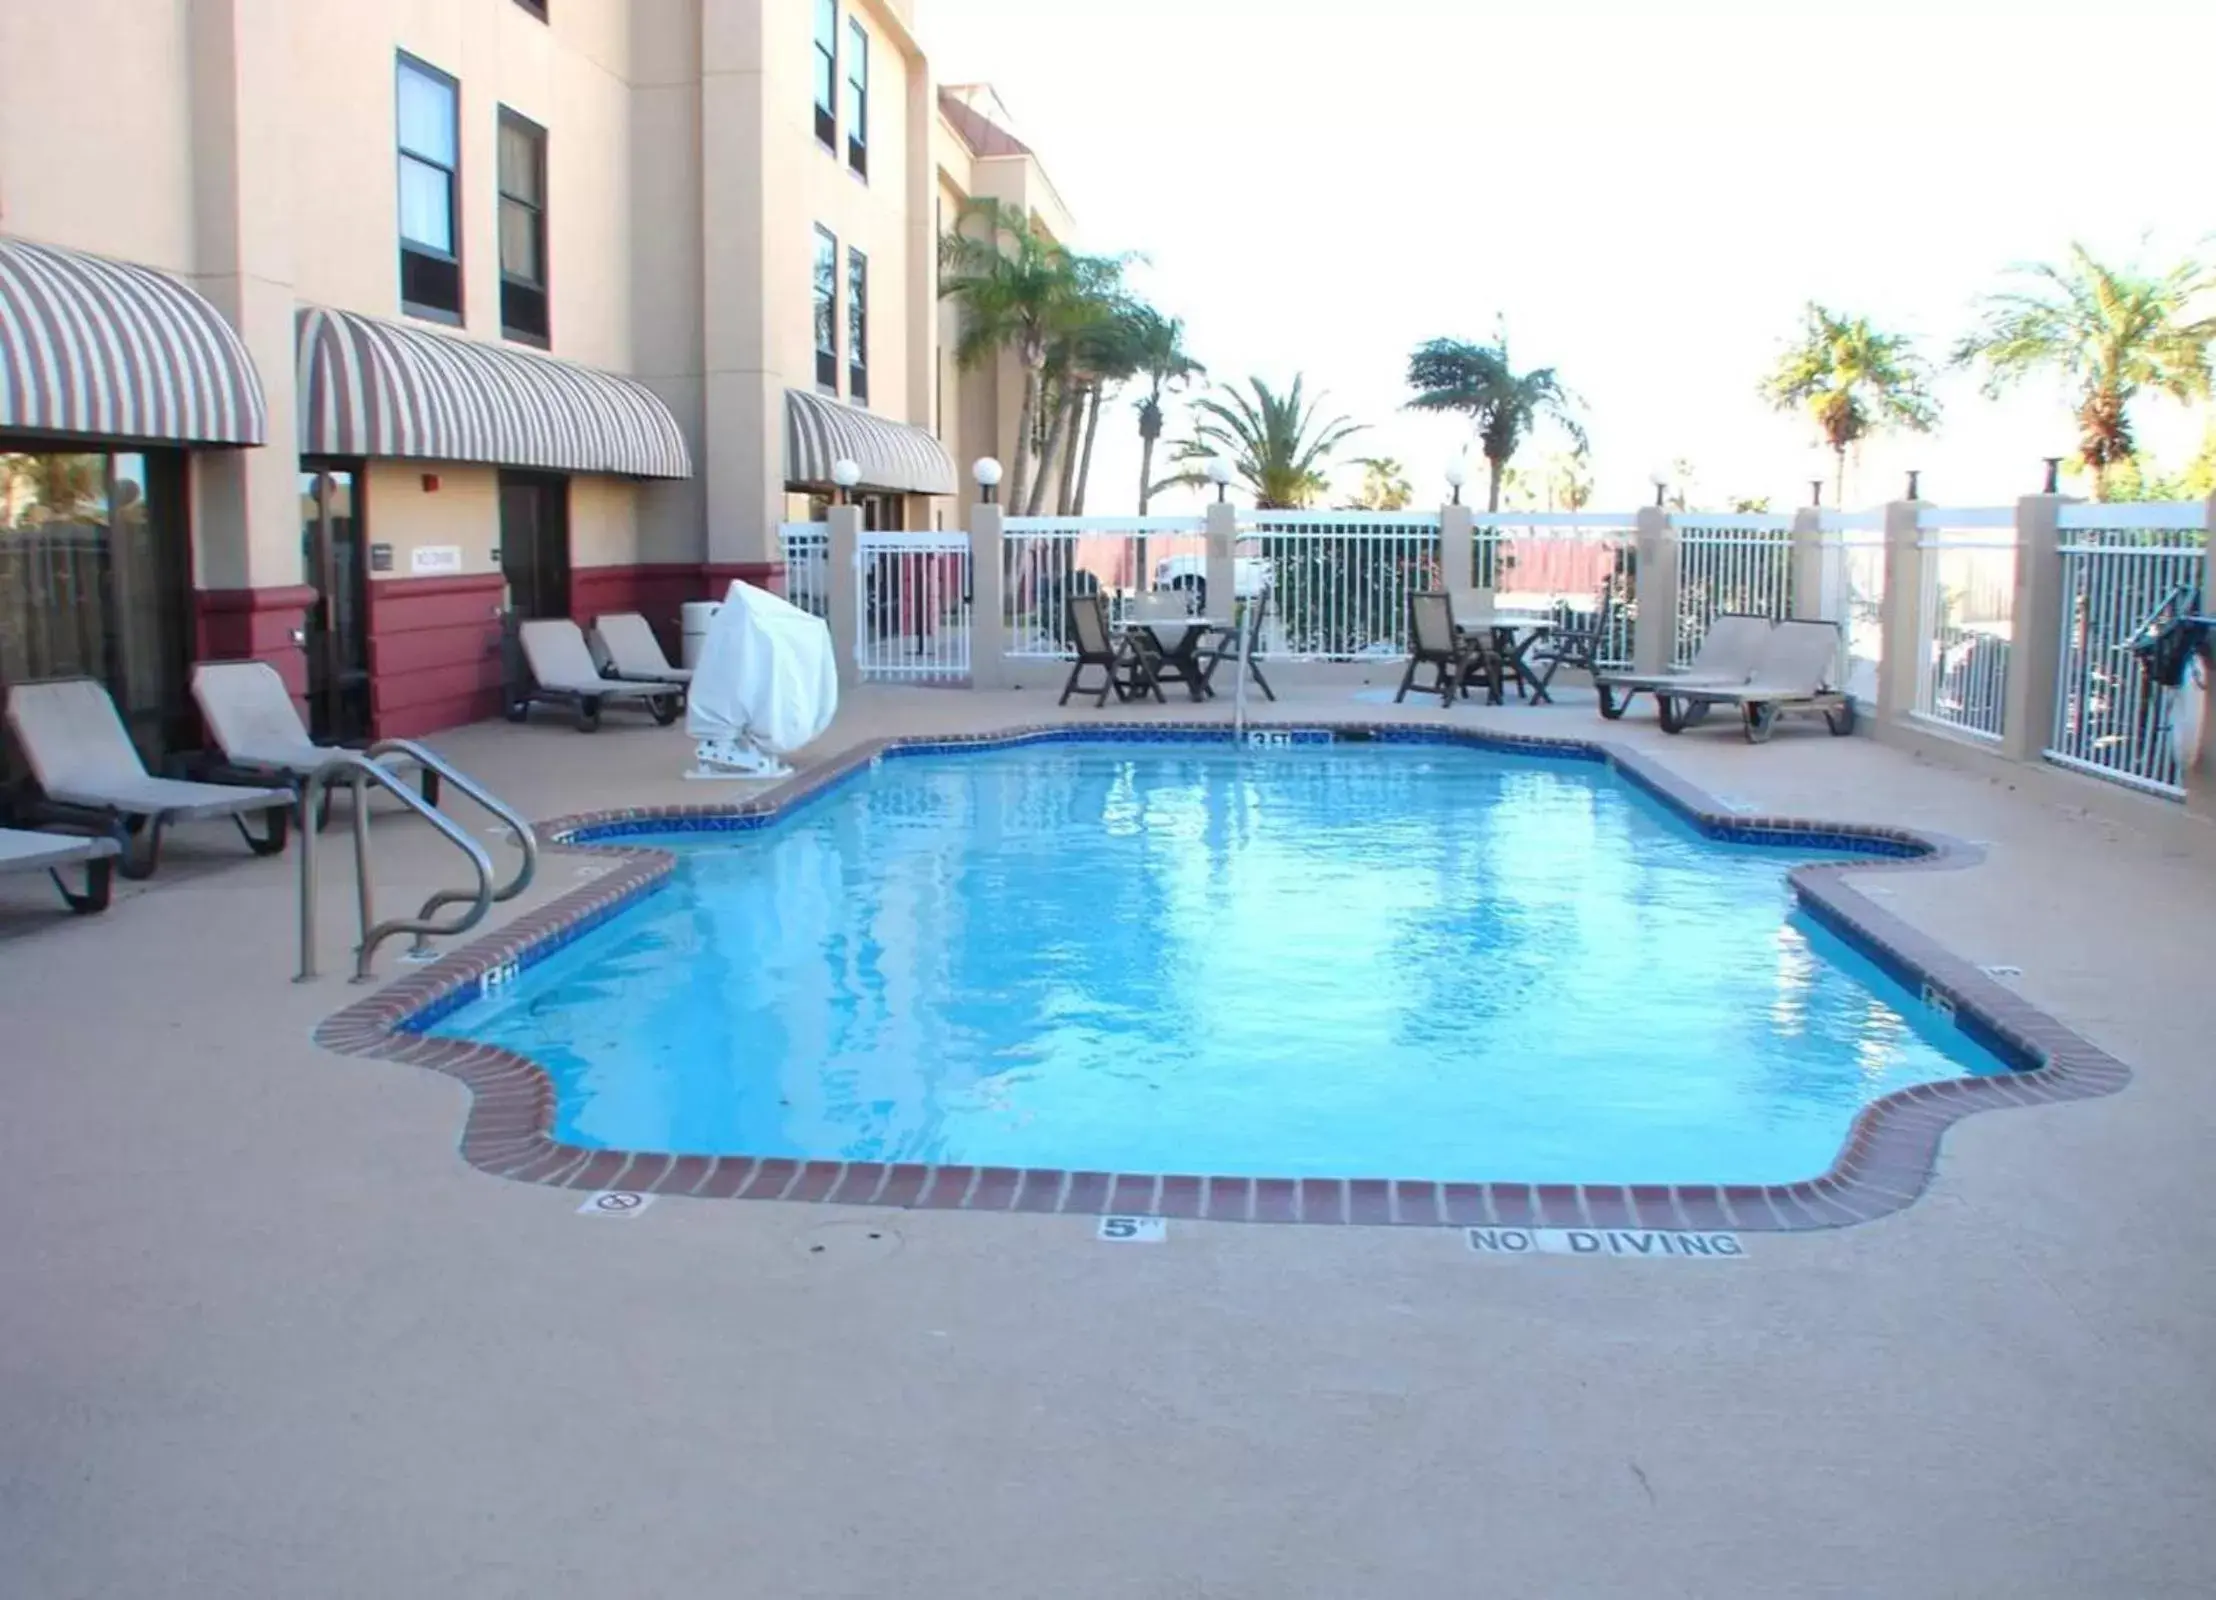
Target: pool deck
x,y
265,1333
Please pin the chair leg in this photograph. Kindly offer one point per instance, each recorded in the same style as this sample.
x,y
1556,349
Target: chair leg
x,y
99,881
1407,681
272,842
1268,693
1070,688
142,846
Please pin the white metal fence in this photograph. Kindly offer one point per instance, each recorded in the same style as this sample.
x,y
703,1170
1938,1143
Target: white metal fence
x,y
1579,567
1740,564
1965,624
1046,560
2119,564
1339,580
807,550
913,595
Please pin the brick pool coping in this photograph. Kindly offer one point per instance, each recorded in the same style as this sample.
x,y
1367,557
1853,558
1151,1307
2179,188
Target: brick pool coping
x,y
1884,1165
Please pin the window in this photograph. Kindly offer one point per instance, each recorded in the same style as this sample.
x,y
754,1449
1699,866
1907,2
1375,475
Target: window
x,y
537,8
857,326
430,158
827,312
827,73
857,83
523,298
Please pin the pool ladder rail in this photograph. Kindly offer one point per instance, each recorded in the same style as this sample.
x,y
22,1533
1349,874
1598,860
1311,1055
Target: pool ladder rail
x,y
363,770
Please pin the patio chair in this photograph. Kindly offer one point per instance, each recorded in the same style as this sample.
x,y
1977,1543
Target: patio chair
x,y
22,850
1125,662
256,726
88,770
1726,657
1577,640
1435,641
634,652
1791,676
562,673
1223,644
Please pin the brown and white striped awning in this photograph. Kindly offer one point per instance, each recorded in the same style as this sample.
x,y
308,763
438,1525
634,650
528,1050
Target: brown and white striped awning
x,y
108,350
371,388
820,431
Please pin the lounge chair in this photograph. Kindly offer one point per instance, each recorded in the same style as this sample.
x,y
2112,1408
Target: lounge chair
x,y
633,651
1726,657
1436,642
84,763
1126,664
1223,644
256,726
25,851
1791,676
562,673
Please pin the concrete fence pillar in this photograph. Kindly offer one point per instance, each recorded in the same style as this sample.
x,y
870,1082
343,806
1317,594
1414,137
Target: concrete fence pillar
x,y
1901,625
2034,630
1654,639
1221,572
1459,566
843,591
1818,586
2200,765
988,598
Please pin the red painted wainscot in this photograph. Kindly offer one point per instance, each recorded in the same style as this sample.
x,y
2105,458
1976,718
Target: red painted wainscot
x,y
257,625
434,652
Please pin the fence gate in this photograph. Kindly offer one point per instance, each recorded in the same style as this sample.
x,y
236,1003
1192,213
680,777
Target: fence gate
x,y
913,595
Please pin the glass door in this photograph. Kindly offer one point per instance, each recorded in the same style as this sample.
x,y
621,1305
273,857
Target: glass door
x,y
534,543
335,562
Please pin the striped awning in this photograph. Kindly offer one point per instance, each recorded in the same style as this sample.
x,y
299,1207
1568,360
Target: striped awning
x,y
892,455
371,388
109,350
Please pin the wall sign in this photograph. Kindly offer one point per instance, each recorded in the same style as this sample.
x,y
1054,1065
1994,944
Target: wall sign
x,y
380,558
435,558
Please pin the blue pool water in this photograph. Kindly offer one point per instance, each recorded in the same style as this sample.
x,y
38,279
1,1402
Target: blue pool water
x,y
1333,960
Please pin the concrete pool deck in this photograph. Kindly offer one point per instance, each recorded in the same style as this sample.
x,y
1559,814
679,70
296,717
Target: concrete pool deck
x,y
267,1334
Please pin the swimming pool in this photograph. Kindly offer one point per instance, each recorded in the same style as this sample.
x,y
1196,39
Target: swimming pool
x,y
1416,961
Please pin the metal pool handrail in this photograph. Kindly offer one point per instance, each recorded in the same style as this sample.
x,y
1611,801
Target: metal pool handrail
x,y
360,772
526,840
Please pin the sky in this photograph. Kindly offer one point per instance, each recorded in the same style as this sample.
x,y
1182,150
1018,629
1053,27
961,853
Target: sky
x,y
1646,194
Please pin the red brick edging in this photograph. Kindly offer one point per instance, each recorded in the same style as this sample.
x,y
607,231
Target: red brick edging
x,y
1884,1166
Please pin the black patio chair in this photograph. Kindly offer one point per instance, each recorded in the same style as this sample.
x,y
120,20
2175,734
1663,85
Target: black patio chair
x,y
1223,644
1434,641
1126,664
1578,640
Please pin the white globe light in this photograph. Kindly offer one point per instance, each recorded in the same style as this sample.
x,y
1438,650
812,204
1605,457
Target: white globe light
x,y
1458,473
1220,470
845,473
986,472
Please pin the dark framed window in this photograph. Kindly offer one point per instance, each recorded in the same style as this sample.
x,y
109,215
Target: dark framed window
x,y
827,311
857,99
428,116
827,73
523,279
857,327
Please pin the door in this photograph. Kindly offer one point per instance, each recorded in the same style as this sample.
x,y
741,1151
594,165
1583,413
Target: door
x,y
534,543
335,561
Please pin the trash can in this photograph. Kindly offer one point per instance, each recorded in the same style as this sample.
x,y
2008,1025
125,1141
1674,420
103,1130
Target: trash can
x,y
697,615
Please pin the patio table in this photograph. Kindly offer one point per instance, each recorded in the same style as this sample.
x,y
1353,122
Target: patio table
x,y
1179,661
1505,627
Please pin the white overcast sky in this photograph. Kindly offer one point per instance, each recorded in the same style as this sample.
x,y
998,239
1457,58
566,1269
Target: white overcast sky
x,y
1648,193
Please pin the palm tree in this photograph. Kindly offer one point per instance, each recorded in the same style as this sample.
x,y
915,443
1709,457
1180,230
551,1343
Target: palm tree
x,y
2111,332
1385,485
1504,406
1854,381
1018,290
1157,349
1275,442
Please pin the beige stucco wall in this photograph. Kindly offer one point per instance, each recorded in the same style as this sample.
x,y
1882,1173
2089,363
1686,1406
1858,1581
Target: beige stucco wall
x,y
464,511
